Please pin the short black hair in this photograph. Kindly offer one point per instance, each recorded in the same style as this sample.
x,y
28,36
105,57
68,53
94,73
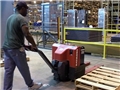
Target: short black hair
x,y
21,4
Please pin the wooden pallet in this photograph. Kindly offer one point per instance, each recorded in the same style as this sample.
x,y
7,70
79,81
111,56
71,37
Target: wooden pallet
x,y
27,58
103,78
1,63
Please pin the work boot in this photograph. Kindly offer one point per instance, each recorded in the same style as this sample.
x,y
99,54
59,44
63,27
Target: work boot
x,y
36,86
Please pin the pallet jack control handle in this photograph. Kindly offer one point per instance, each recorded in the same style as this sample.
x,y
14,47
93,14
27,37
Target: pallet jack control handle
x,y
28,47
49,64
46,60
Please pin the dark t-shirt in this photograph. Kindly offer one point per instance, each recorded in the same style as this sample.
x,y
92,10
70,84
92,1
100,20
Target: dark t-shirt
x,y
14,37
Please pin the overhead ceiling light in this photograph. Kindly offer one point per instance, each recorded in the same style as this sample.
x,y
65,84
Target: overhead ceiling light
x,y
34,2
50,0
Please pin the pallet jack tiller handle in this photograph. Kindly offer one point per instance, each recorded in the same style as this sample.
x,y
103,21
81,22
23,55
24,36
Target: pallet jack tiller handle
x,y
45,59
49,64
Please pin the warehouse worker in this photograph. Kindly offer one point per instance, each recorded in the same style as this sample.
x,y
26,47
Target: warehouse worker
x,y
16,30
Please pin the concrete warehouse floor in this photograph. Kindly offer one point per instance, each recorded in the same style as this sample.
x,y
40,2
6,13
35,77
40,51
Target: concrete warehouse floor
x,y
42,73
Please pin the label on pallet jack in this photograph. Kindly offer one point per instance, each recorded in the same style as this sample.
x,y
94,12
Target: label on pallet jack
x,y
76,56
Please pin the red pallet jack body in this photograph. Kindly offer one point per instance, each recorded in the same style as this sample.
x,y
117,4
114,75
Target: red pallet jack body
x,y
68,60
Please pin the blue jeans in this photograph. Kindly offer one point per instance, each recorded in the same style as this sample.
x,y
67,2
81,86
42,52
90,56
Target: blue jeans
x,y
13,58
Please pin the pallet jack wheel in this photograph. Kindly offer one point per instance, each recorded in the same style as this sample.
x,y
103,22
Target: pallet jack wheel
x,y
56,76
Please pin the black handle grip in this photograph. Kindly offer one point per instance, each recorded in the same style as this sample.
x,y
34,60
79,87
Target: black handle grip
x,y
29,47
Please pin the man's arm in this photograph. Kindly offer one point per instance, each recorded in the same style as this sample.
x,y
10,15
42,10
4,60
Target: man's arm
x,y
28,35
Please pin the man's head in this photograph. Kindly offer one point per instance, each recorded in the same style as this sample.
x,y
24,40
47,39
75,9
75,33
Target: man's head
x,y
22,7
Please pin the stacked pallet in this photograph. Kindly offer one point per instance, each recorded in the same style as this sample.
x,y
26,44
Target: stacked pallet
x,y
115,38
102,78
81,35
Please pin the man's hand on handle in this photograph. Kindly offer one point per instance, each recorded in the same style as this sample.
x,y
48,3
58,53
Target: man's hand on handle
x,y
31,48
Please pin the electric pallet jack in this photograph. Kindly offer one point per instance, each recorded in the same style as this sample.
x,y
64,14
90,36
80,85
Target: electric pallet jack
x,y
67,61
